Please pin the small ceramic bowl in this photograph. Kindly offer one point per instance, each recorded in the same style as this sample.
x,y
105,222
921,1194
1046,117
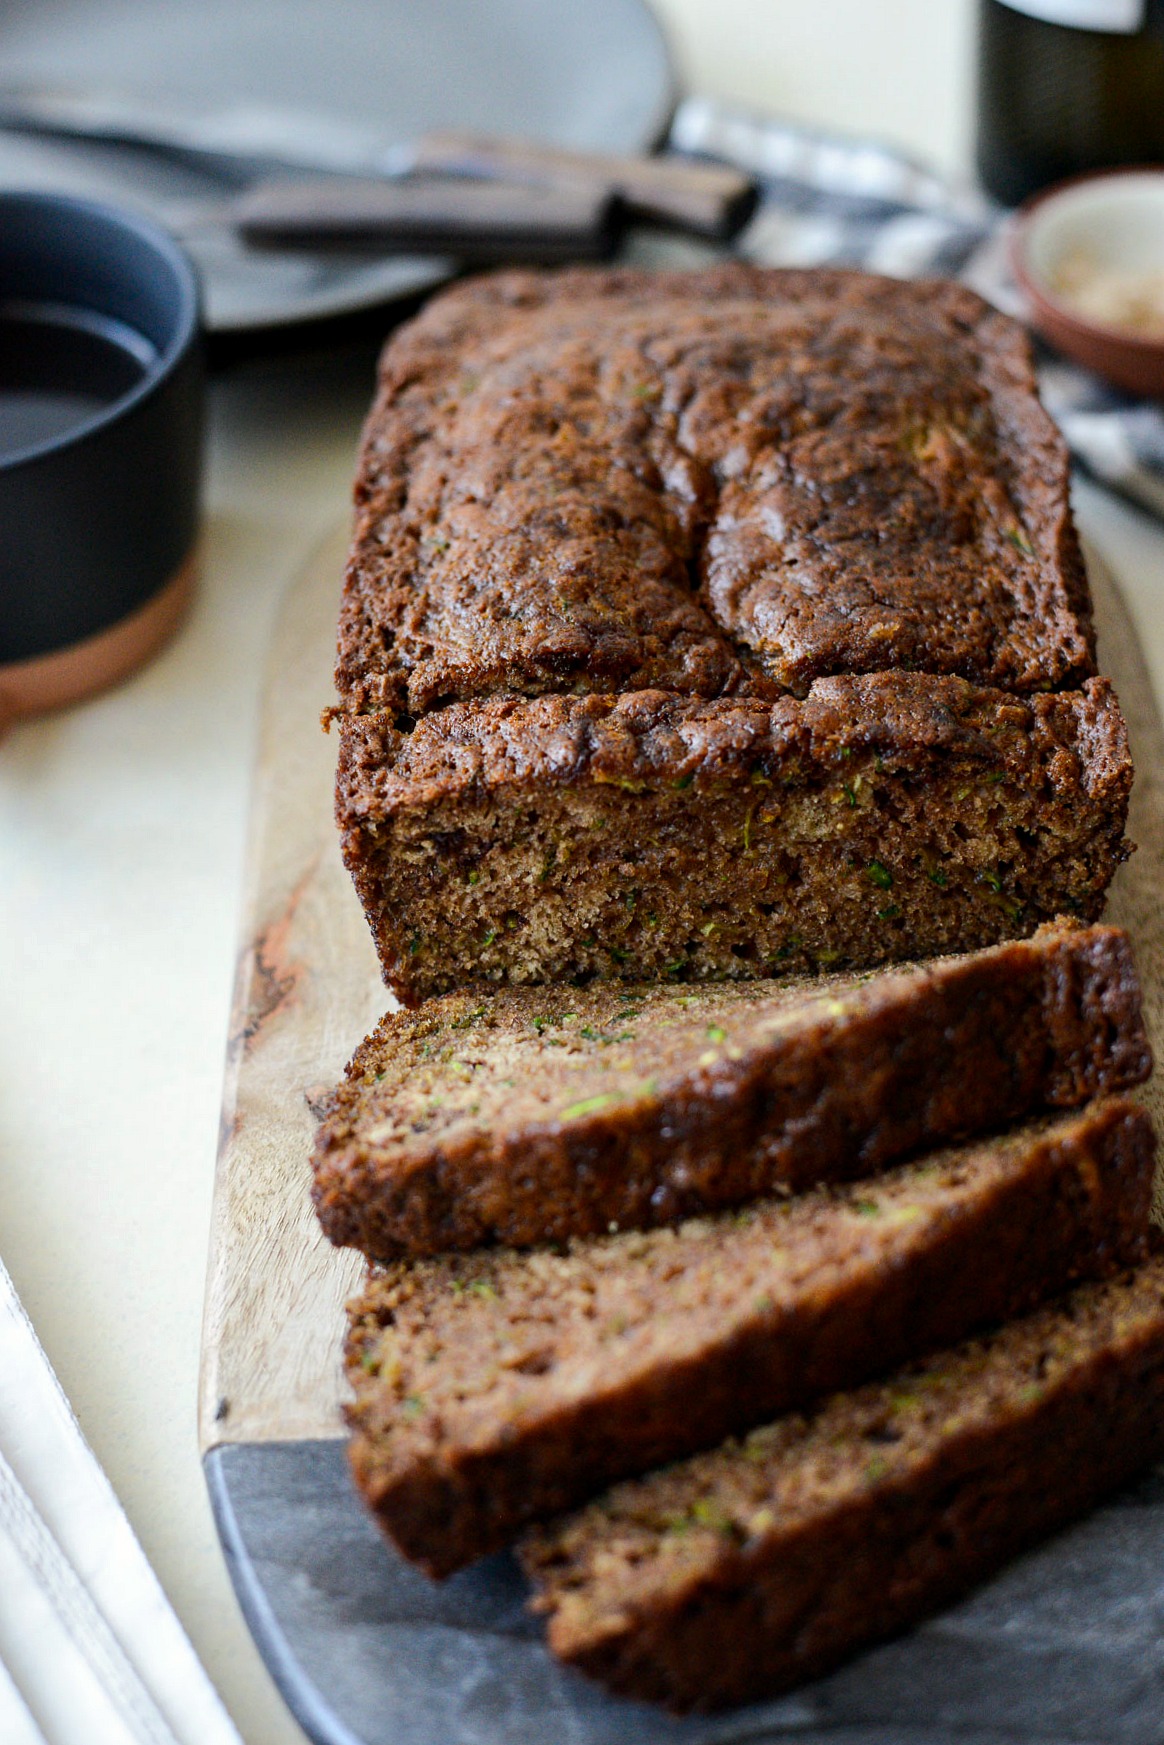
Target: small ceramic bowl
x,y
1102,234
101,399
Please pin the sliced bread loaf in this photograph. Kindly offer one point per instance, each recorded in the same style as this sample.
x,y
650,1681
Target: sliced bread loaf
x,y
764,1563
535,1115
498,1388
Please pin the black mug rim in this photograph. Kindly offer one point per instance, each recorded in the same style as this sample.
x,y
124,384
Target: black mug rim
x,y
185,326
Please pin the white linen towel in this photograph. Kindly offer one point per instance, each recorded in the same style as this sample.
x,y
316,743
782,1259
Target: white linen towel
x,y
92,1652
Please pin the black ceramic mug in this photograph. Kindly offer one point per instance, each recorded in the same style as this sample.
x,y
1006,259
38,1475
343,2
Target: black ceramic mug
x,y
101,415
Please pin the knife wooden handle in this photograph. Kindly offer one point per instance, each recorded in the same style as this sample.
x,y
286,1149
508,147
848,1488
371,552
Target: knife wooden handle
x,y
712,200
472,219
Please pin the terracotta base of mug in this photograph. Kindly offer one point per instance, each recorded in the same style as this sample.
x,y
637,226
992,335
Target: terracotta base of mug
x,y
52,681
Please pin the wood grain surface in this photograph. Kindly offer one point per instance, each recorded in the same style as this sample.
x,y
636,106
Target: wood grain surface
x,y
308,989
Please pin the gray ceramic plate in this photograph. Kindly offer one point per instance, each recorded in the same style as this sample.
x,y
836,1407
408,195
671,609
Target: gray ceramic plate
x,y
586,73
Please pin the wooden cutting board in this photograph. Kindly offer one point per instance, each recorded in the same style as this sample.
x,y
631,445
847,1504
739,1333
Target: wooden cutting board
x,y
1065,1645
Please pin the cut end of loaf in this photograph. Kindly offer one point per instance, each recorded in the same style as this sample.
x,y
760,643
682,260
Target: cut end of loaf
x,y
649,838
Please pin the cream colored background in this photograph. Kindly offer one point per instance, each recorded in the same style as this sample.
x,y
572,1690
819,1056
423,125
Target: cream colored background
x,y
121,833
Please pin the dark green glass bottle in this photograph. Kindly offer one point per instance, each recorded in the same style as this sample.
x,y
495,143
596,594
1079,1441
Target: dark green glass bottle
x,y
1066,86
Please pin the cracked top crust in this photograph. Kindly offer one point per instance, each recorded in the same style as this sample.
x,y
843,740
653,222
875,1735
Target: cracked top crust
x,y
723,483
651,740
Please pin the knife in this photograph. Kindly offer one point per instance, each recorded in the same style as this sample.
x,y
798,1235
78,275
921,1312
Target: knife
x,y
579,193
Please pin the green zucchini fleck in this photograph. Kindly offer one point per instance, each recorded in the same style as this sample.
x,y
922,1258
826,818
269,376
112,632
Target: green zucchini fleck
x,y
880,875
589,1106
706,1513
716,1033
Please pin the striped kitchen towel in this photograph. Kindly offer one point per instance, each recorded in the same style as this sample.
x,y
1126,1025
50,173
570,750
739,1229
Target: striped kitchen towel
x,y
831,200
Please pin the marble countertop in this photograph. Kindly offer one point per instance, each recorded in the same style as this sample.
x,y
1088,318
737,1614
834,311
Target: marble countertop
x,y
121,848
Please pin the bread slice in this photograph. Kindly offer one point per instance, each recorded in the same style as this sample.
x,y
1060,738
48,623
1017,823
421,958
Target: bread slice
x,y
653,837
498,1388
534,1115
764,1563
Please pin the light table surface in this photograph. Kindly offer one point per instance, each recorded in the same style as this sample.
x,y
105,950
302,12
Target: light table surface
x,y
121,844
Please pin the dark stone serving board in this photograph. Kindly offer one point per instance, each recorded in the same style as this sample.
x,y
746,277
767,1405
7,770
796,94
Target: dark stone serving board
x,y
1067,1645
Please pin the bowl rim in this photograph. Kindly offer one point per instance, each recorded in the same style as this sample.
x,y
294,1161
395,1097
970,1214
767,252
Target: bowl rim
x,y
187,325
1021,224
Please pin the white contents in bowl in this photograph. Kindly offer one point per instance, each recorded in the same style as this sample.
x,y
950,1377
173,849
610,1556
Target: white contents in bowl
x,y
1131,301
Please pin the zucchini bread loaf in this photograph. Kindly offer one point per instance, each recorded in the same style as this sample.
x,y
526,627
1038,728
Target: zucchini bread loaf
x,y
702,624
764,1563
499,1388
531,1115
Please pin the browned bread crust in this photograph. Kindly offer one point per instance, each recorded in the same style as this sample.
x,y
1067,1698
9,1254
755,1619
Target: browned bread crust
x,y
731,480
651,836
534,1115
765,1563
499,1388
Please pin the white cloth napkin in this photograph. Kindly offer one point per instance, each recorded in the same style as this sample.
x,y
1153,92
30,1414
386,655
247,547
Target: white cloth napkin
x,y
91,1651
